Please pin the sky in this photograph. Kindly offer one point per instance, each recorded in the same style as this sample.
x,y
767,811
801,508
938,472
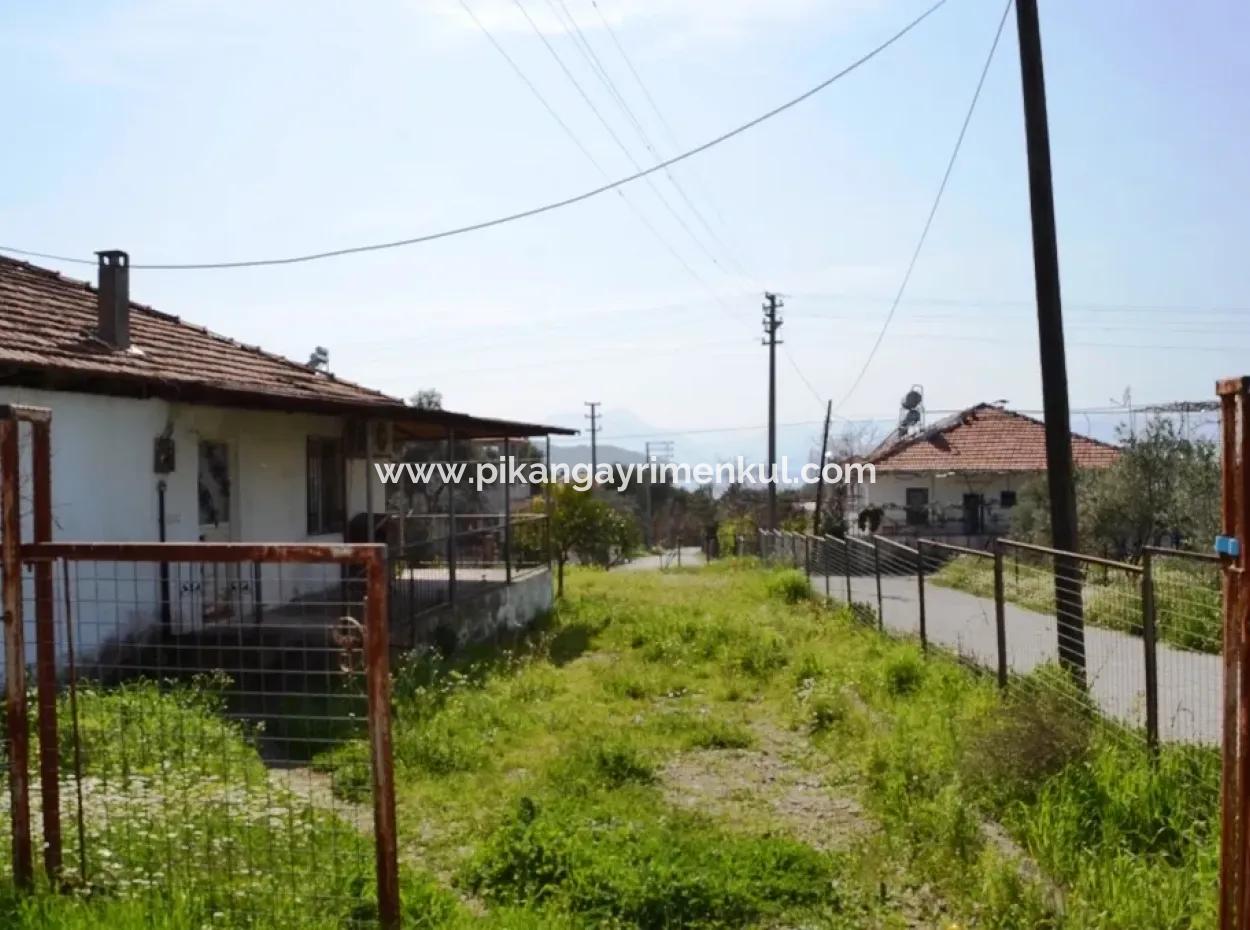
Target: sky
x,y
191,131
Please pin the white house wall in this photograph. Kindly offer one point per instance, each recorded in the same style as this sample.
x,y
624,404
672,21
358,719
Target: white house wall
x,y
946,492
104,489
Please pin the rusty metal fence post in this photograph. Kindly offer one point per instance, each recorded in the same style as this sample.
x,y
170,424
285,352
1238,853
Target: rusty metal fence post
x,y
1233,547
17,725
379,697
846,564
807,557
876,569
1000,615
826,563
45,650
1150,649
924,629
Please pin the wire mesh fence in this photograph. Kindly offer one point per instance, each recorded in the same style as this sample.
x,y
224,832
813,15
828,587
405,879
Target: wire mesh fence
x,y
1141,642
211,736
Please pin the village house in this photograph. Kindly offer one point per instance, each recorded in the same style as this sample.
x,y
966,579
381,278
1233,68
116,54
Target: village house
x,y
163,430
962,475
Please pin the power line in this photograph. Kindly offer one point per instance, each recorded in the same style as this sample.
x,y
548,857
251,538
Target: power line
x,y
999,302
606,79
672,137
924,233
637,211
681,221
802,377
532,211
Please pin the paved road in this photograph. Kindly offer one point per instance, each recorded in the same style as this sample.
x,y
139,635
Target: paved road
x,y
690,556
1189,682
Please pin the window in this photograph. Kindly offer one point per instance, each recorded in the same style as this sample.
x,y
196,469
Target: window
x,y
1007,498
917,506
326,509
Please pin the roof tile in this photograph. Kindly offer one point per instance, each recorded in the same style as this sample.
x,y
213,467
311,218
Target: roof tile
x,y
985,438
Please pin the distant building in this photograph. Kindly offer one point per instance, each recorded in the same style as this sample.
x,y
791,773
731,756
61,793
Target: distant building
x,y
961,476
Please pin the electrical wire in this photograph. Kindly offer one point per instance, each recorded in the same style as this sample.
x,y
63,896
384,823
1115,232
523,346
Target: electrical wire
x,y
928,224
614,91
532,211
998,302
802,377
629,156
637,211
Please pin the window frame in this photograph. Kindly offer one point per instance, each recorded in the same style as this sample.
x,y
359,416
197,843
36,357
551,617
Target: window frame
x,y
326,501
917,515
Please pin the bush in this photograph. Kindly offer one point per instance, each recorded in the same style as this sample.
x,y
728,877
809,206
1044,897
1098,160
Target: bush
x,y
1043,727
790,586
904,673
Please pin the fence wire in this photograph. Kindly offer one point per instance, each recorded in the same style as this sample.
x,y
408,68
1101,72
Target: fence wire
x,y
213,723
1149,634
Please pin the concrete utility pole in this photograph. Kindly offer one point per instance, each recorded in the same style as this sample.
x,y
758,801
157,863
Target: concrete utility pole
x,y
771,325
593,417
1069,611
820,483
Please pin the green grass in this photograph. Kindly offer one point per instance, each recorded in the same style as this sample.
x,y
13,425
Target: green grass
x,y
1187,599
643,758
184,828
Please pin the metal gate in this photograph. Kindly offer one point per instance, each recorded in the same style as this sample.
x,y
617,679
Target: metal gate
x,y
233,765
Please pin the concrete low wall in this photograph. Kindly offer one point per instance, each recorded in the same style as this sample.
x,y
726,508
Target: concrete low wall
x,y
482,612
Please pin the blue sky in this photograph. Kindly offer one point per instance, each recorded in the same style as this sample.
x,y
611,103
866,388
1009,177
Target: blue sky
x,y
221,130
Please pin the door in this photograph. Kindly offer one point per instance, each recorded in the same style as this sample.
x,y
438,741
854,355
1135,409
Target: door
x,y
225,591
973,523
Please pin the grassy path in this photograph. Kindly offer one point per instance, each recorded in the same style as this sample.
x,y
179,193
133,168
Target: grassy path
x,y
714,748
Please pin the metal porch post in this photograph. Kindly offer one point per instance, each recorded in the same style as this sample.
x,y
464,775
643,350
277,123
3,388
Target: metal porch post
x,y
547,508
451,521
507,513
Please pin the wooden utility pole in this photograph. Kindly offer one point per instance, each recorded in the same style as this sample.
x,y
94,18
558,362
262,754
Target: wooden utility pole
x,y
1069,610
654,450
771,325
1234,552
593,417
820,481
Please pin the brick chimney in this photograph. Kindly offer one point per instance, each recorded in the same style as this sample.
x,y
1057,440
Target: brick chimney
x,y
113,298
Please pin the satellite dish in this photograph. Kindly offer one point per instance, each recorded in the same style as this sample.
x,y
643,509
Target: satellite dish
x,y
910,418
912,399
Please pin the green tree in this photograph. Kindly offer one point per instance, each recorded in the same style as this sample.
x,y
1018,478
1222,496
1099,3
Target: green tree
x,y
585,526
1163,487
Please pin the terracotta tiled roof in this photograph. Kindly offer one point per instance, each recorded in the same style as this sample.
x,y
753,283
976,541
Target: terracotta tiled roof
x,y
47,339
984,438
47,322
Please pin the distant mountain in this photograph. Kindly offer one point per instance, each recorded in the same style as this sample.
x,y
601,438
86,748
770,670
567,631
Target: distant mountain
x,y
580,454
